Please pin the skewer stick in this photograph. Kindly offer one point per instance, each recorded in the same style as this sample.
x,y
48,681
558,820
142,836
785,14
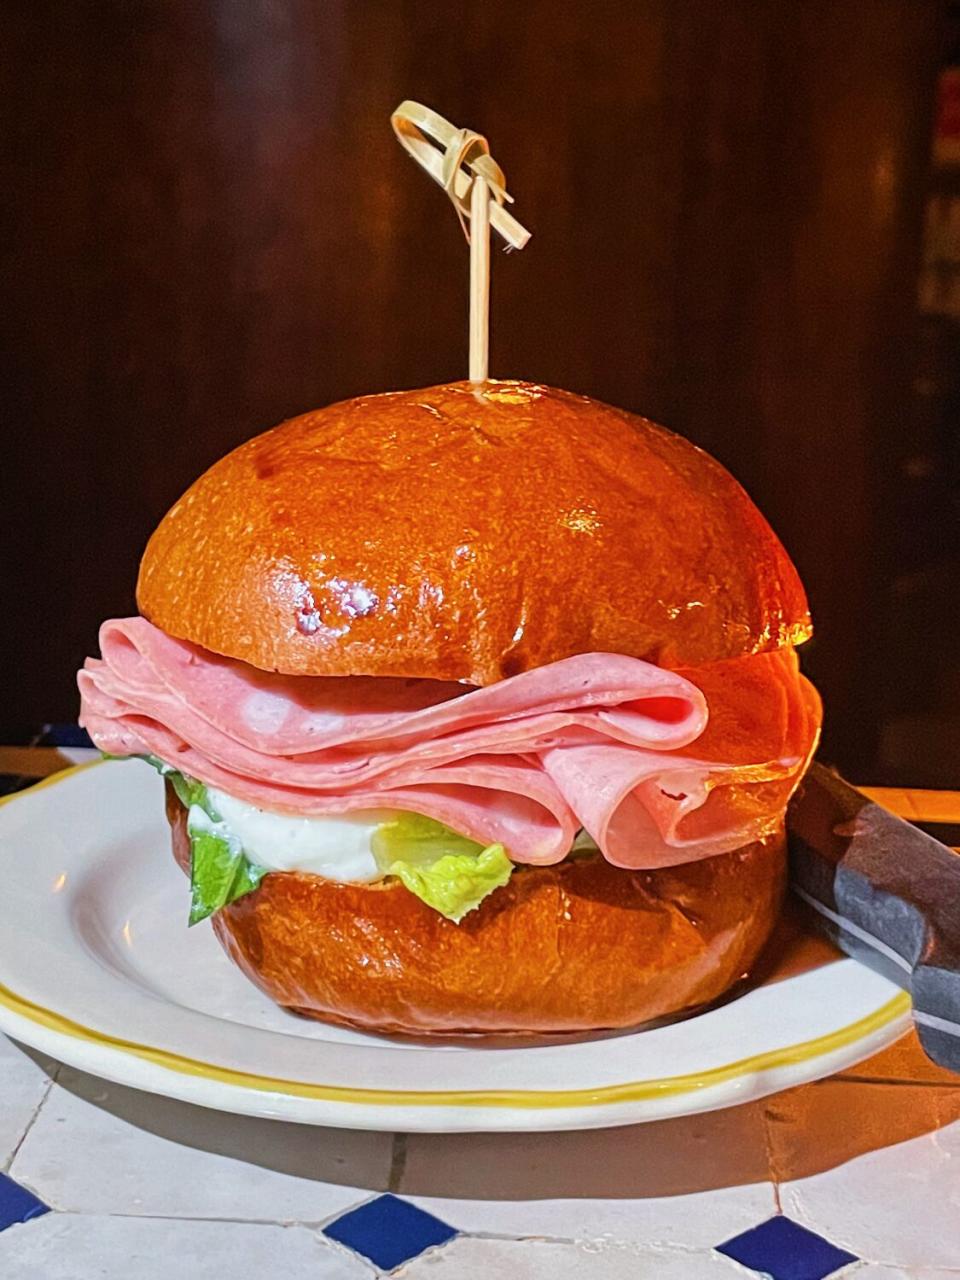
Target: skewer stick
x,y
479,280
460,161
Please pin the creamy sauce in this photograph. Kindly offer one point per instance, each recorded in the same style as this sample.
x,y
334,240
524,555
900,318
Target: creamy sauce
x,y
336,847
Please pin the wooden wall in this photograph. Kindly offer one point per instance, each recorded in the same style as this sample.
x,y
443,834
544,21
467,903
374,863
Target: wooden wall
x,y
208,227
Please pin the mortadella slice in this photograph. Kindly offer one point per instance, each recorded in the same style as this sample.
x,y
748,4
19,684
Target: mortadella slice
x,y
659,766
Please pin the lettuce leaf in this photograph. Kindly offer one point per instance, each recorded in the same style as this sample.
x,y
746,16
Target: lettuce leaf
x,y
190,792
445,870
458,882
410,837
449,872
220,871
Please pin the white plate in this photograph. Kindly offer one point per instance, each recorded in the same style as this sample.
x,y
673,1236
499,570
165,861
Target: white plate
x,y
98,969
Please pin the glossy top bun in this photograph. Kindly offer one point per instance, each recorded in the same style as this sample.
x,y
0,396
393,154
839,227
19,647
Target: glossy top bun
x,y
468,534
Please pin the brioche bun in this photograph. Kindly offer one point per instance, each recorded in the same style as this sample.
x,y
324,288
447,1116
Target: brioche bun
x,y
578,946
463,533
470,533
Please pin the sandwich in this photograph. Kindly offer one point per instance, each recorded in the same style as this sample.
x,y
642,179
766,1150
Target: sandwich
x,y
478,710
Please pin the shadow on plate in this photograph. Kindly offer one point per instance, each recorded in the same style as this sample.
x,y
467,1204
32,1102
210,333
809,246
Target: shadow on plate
x,y
790,1135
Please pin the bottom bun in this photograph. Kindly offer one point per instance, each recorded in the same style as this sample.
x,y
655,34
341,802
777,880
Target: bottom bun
x,y
578,946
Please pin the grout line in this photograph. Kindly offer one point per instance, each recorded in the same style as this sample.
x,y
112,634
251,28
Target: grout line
x,y
431,1253
398,1162
743,1270
51,1081
894,1082
535,1239
604,1239
284,1223
766,1122
342,1250
322,1223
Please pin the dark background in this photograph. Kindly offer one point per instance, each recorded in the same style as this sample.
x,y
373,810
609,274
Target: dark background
x,y
208,227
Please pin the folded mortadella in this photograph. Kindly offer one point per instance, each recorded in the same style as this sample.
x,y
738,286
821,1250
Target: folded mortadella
x,y
659,766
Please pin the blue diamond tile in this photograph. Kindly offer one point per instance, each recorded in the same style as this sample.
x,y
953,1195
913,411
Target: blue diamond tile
x,y
389,1231
784,1250
17,1204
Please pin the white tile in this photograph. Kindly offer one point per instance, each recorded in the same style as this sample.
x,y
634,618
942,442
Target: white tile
x,y
694,1181
874,1168
700,1220
102,1148
870,1272
23,1083
471,1259
71,1247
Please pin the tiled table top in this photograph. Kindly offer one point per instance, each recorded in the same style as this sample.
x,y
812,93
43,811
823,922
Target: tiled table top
x,y
858,1175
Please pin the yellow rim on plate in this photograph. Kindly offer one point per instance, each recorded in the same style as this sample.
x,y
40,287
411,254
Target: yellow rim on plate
x,y
633,1091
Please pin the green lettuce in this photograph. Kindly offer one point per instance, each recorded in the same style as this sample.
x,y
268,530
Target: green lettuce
x,y
445,870
449,872
458,882
220,871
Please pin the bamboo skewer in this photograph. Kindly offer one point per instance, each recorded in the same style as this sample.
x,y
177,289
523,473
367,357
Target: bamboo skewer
x,y
460,161
479,280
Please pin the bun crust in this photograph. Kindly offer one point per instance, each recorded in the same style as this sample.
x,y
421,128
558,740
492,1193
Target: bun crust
x,y
579,946
468,534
